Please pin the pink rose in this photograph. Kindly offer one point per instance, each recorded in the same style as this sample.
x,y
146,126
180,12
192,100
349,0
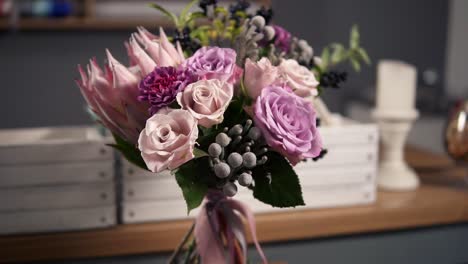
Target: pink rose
x,y
299,78
259,75
168,139
206,100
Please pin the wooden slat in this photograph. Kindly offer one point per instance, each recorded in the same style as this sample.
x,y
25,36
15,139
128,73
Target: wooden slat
x,y
442,199
81,23
90,22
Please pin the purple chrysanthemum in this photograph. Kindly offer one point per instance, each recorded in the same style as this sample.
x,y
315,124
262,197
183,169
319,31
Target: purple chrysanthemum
x,y
162,85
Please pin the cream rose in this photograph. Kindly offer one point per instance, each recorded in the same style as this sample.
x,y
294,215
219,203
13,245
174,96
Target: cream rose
x,y
259,75
168,139
300,79
206,100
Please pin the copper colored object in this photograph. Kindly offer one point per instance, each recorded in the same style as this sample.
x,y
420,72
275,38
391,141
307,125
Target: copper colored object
x,y
456,133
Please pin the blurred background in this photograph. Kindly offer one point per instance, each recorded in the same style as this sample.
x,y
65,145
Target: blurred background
x,y
41,42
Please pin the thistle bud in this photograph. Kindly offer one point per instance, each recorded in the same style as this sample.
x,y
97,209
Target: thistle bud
x,y
269,32
248,124
237,140
250,160
245,179
222,170
215,150
235,160
230,189
258,21
263,160
254,133
223,139
235,130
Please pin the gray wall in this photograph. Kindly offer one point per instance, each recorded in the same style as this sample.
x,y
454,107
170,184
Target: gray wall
x,y
410,30
457,52
37,72
37,68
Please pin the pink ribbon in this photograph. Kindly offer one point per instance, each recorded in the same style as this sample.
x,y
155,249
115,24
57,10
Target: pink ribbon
x,y
222,215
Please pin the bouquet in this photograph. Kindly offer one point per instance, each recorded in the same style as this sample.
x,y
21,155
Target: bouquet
x,y
225,103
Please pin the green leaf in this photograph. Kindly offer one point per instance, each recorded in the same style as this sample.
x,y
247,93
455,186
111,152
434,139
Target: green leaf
x,y
284,189
198,153
338,53
355,64
166,12
193,16
186,9
130,152
363,55
354,37
325,58
191,178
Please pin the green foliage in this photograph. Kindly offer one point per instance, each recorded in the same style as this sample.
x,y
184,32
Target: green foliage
x,y
284,190
185,17
198,153
130,152
193,178
336,53
166,12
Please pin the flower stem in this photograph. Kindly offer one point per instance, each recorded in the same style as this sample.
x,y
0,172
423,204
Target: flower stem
x,y
172,259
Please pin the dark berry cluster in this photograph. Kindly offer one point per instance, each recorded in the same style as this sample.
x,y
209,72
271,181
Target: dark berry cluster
x,y
204,4
239,6
186,42
333,79
322,154
266,13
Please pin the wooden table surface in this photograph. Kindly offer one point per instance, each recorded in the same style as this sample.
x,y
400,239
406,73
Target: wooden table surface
x,y
442,199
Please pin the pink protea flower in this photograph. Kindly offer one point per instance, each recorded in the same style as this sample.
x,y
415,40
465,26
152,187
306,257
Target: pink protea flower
x,y
112,93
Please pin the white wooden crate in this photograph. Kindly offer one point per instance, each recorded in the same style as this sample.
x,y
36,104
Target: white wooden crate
x,y
314,198
56,173
55,179
57,197
345,177
57,220
52,145
166,188
352,145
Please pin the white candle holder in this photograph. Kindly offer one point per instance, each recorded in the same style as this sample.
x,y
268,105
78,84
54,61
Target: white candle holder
x,y
394,174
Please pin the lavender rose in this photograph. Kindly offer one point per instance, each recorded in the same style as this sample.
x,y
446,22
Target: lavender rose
x,y
215,63
282,38
168,139
206,100
288,123
161,86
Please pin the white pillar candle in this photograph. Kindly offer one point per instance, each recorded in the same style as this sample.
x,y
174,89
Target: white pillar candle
x,y
396,87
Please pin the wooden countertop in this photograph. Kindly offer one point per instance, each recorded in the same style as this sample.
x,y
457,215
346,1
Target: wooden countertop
x,y
442,199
